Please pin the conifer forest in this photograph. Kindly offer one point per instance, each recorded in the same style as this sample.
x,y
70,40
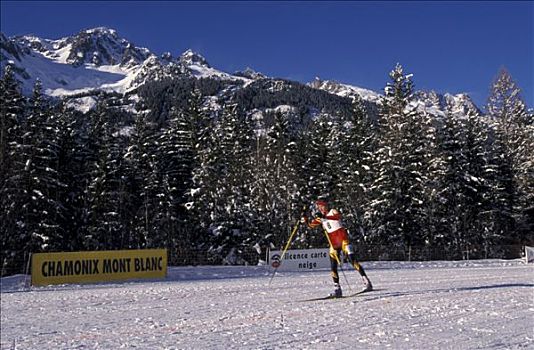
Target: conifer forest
x,y
216,183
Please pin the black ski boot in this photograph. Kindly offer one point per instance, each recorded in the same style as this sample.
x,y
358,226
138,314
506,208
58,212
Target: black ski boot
x,y
337,291
368,284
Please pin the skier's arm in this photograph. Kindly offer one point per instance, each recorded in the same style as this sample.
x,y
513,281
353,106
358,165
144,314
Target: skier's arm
x,y
333,215
311,224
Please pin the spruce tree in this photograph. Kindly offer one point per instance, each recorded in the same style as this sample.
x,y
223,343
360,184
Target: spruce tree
x,y
513,186
402,162
106,191
224,181
176,163
275,192
464,183
323,141
11,117
43,212
12,106
70,169
319,171
141,168
354,161
206,175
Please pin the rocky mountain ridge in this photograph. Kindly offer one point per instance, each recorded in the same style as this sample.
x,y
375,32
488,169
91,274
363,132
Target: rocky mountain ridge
x,y
98,59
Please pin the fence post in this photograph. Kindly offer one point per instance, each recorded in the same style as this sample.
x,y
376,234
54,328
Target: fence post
x,y
27,271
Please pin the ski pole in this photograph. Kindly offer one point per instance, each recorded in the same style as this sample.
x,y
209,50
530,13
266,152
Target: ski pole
x,y
337,259
287,245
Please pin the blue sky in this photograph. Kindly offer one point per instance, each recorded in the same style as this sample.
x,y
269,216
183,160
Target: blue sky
x,y
449,46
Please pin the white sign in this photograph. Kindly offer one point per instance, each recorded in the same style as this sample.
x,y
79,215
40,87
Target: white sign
x,y
529,254
299,260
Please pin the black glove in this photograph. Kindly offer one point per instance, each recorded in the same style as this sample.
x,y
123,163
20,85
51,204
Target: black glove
x,y
319,215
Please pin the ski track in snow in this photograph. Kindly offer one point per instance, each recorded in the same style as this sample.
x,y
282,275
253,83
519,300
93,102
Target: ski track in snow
x,y
484,305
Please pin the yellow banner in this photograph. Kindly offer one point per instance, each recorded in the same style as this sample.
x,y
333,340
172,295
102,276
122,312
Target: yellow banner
x,y
98,266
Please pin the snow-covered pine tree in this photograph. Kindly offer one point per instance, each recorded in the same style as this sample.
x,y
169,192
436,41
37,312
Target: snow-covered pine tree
x,y
383,206
526,182
275,193
106,192
11,115
319,169
12,106
28,166
79,170
463,147
513,186
449,234
323,140
478,169
228,196
70,170
143,180
402,161
176,155
354,161
432,168
203,203
43,211
199,126
198,120
241,180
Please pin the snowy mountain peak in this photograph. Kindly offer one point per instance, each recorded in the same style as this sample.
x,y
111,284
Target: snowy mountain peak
x,y
96,59
102,46
99,59
101,31
459,103
250,73
189,57
431,101
344,90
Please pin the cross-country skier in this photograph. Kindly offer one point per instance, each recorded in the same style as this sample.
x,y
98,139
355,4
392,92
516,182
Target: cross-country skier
x,y
339,239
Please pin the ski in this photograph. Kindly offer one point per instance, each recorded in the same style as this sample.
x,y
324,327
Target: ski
x,y
342,297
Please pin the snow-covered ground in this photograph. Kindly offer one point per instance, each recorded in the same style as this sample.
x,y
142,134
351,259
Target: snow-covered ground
x,y
433,305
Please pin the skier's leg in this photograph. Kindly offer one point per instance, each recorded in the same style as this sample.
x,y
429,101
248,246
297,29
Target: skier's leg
x,y
335,276
347,248
333,265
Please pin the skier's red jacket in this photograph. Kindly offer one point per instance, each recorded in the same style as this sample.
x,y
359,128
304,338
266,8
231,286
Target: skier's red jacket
x,y
333,226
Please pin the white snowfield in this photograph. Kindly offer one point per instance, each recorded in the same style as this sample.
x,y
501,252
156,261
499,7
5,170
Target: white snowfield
x,y
486,304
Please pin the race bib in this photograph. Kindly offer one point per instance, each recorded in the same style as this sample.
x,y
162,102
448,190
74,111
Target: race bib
x,y
331,225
